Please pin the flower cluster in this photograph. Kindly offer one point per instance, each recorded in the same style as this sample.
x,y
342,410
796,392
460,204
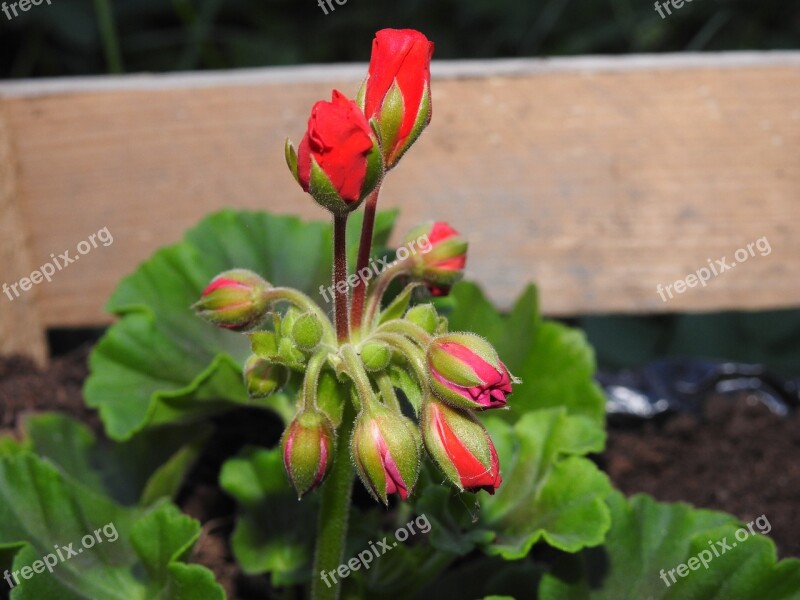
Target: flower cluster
x,y
385,353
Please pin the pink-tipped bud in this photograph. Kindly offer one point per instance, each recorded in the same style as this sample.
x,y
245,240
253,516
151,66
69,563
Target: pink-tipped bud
x,y
466,372
442,255
461,447
386,452
234,300
307,447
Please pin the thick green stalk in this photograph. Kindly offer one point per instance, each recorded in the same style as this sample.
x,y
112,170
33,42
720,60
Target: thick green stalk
x,y
334,512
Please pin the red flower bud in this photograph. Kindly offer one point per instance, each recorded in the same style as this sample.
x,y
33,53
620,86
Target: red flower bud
x,y
234,300
461,447
338,161
386,452
397,90
466,372
442,255
307,447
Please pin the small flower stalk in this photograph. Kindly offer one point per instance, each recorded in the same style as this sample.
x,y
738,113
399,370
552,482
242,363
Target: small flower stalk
x,y
388,357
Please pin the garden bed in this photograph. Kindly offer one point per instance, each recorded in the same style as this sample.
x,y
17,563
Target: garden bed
x,y
737,457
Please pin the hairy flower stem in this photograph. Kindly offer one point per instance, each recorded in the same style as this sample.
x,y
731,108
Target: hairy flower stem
x,y
340,276
364,252
412,353
373,303
334,512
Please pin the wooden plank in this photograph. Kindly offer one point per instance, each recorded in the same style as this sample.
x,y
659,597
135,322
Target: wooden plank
x,y
597,178
21,328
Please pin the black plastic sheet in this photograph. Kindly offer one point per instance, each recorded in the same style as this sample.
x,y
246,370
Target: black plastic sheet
x,y
674,385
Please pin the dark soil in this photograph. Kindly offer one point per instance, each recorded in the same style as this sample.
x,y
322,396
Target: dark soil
x,y
25,389
737,457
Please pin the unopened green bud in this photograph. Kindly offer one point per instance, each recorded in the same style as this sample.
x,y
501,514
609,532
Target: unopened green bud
x,y
262,377
424,315
375,356
307,331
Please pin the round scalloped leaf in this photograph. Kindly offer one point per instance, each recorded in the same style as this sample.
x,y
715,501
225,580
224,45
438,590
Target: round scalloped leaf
x,y
160,363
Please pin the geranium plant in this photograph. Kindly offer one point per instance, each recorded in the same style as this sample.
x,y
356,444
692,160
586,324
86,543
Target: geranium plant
x,y
341,161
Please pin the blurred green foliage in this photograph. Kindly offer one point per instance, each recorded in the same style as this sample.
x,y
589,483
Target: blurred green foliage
x,y
74,37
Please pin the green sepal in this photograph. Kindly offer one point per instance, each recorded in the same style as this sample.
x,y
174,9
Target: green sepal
x,y
264,344
398,306
291,158
290,355
466,427
451,368
325,194
424,316
375,170
360,99
445,250
475,344
390,119
400,440
262,377
420,123
307,431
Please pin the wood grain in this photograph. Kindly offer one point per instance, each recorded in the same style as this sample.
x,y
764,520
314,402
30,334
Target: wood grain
x,y
596,178
21,328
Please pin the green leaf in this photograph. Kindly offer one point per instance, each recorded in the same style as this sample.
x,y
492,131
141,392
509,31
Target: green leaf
x,y
150,466
42,513
647,537
275,532
485,577
160,363
549,490
555,363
